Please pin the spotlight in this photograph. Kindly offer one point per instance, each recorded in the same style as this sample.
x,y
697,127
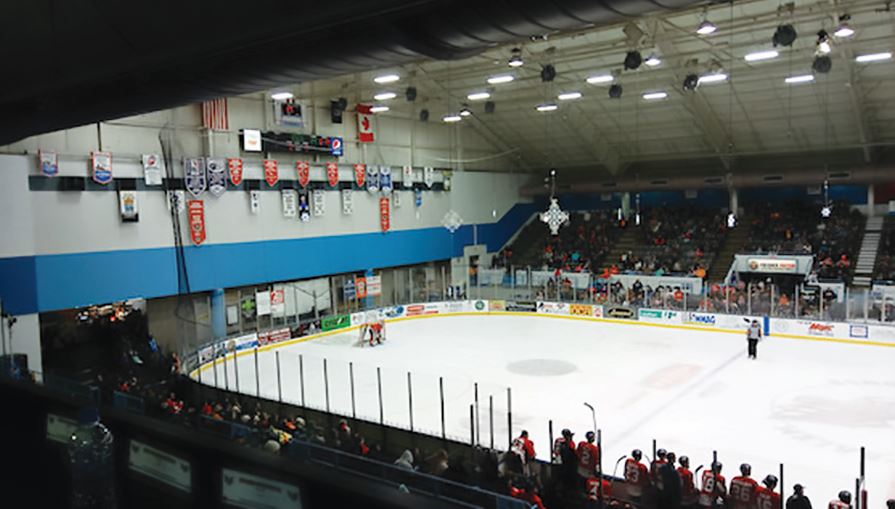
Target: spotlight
x,y
410,94
633,60
823,43
516,59
822,64
615,91
652,60
424,115
548,73
489,106
706,28
784,36
844,29
691,81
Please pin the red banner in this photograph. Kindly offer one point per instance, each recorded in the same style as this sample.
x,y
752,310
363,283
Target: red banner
x,y
360,287
235,166
271,172
332,174
384,213
360,174
196,210
365,124
303,168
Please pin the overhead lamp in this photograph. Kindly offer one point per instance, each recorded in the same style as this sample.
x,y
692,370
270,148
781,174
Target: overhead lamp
x,y
691,81
378,109
844,29
615,91
706,28
478,96
543,108
548,73
713,78
633,59
501,78
761,55
600,78
785,35
452,118
516,59
385,96
652,60
654,96
822,64
804,78
386,78
823,43
569,96
282,96
873,57
465,112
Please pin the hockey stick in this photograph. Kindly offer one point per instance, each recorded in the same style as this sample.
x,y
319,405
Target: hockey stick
x,y
614,470
696,472
593,414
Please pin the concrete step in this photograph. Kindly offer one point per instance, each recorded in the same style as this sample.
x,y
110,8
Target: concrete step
x,y
861,281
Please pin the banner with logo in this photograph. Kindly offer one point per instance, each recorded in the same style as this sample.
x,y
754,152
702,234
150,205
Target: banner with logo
x,y
332,174
177,200
194,178
374,286
254,201
360,287
385,179
319,202
811,328
660,315
773,266
348,289
522,306
274,336
217,176
428,176
101,164
290,202
384,215
152,169
271,172
347,202
624,312
553,308
278,301
360,174
372,179
497,305
336,146
128,206
304,209
334,322
691,285
396,199
161,466
365,133
418,198
303,169
196,210
581,310
49,163
234,165
407,176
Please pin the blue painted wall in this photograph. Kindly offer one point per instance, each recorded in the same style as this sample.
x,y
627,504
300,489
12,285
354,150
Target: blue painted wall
x,y
853,194
52,282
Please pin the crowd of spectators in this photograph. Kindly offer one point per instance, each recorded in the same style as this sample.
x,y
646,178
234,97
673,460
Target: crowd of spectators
x,y
582,244
885,258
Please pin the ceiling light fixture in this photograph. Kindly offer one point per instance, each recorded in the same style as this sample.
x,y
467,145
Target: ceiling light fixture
x,y
633,59
516,59
502,78
615,91
706,28
822,64
548,73
823,43
385,96
378,109
569,96
465,112
478,96
785,35
600,78
281,96
713,78
386,78
805,78
873,57
547,107
652,60
691,81
452,118
654,96
761,55
844,29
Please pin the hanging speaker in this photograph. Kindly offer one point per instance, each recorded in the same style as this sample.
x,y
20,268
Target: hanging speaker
x,y
489,106
335,112
410,94
424,115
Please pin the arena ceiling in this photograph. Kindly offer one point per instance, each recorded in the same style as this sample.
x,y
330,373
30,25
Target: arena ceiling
x,y
753,120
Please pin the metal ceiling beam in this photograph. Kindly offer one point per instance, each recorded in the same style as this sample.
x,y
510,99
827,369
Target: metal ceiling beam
x,y
857,103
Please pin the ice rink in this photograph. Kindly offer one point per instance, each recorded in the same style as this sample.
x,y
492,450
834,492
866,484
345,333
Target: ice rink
x,y
807,404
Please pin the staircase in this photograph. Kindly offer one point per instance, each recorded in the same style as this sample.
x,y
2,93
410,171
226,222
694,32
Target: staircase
x,y
627,241
867,254
733,243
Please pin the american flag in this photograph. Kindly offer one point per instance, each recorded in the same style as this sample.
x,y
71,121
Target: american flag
x,y
214,114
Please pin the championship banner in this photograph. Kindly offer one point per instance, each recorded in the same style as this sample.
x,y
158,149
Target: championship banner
x,y
347,202
127,204
385,179
372,179
152,169
332,174
374,286
384,213
319,202
303,169
407,176
177,200
360,287
428,176
197,221
290,202
348,289
49,163
365,132
254,201
101,162
234,164
304,212
418,198
194,175
271,172
217,178
360,172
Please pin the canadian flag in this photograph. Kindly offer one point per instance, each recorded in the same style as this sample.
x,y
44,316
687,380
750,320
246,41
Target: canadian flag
x,y
364,124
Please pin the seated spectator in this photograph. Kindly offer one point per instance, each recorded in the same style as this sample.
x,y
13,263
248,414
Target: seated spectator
x,y
406,460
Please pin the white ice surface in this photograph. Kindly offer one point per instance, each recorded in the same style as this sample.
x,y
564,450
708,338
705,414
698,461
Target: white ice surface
x,y
809,405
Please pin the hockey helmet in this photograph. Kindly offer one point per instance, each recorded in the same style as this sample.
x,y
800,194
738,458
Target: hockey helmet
x,y
636,454
661,453
716,466
746,469
684,461
845,496
590,436
567,432
770,481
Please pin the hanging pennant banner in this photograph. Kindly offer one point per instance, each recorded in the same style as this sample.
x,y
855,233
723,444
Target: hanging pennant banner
x,y
290,202
194,175
271,172
254,201
49,163
428,176
304,211
217,176
374,286
102,167
332,174
127,205
152,169
384,213
234,164
396,199
319,202
418,198
303,168
372,179
385,179
365,132
360,287
407,176
360,172
177,201
347,202
197,221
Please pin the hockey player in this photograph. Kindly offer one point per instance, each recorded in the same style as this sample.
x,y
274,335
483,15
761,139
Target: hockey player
x,y
688,489
376,333
593,487
564,454
753,335
588,456
844,501
654,467
525,450
636,475
713,486
742,489
765,496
